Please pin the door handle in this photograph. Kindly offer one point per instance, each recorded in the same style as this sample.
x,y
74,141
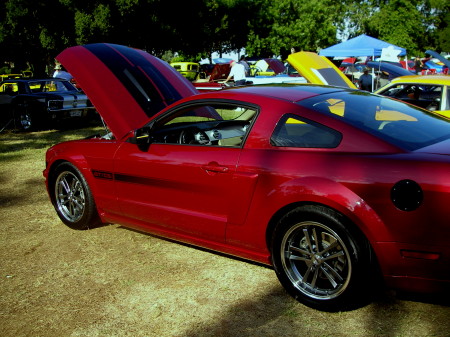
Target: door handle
x,y
215,167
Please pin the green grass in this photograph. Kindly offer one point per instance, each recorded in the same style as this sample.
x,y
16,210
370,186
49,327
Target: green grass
x,y
13,142
111,281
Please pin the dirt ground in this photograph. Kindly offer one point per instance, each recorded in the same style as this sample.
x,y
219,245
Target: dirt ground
x,y
112,281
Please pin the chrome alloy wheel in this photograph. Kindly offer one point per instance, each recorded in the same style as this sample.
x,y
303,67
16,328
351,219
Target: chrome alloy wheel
x,y
70,196
316,260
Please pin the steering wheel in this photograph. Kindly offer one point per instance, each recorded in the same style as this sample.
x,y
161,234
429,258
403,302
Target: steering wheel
x,y
193,137
186,137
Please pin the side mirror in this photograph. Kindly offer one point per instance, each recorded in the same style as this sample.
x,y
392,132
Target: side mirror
x,y
142,138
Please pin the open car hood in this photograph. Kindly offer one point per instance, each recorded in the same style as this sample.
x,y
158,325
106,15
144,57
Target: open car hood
x,y
127,86
439,57
318,70
392,69
274,65
219,72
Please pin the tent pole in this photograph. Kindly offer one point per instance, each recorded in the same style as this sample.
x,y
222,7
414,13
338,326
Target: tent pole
x,y
373,74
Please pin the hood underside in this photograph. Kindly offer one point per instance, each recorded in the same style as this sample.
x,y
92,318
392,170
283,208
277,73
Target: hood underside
x,y
439,57
318,70
127,86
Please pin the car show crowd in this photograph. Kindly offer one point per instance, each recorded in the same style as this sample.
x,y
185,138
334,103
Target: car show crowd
x,y
368,73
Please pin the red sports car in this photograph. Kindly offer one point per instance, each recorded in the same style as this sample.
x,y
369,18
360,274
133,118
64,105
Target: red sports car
x,y
331,186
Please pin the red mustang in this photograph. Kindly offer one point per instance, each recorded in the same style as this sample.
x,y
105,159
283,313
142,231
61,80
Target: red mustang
x,y
332,186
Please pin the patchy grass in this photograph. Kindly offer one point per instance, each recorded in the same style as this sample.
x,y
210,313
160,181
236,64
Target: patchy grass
x,y
112,281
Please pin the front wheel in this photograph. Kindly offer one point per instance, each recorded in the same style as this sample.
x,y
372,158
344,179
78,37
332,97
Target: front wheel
x,y
319,260
25,120
73,198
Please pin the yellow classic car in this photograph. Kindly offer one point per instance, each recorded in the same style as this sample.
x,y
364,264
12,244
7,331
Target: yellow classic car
x,y
430,92
9,76
187,69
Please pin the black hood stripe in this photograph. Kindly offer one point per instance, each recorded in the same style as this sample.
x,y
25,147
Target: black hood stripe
x,y
141,78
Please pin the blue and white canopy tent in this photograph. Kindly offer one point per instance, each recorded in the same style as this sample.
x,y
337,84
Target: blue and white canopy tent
x,y
364,45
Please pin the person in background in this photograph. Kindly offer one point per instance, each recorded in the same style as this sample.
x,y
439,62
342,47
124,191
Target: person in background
x,y
365,81
237,72
418,65
245,64
61,73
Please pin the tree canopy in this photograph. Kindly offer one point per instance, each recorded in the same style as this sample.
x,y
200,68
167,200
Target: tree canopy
x,y
33,32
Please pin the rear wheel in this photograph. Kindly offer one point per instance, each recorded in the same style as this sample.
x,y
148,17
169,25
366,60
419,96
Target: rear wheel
x,y
319,260
73,198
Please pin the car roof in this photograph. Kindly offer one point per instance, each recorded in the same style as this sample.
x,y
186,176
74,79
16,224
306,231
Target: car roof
x,y
33,79
289,92
425,79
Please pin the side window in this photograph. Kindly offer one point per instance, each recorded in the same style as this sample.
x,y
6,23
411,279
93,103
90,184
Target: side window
x,y
36,86
394,91
294,132
206,124
9,88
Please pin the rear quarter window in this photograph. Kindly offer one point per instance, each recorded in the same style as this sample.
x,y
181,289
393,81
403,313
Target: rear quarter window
x,y
292,131
398,123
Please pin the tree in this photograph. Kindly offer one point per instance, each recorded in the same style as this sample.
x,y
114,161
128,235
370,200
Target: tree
x,y
416,25
441,23
306,25
30,33
398,22
200,27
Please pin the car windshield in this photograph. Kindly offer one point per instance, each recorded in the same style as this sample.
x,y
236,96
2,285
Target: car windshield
x,y
403,125
209,113
50,85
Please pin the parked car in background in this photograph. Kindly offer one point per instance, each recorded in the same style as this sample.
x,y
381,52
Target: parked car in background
x,y
9,76
408,64
429,92
303,67
433,66
318,69
31,104
346,62
190,70
353,71
331,186
442,62
266,67
212,76
385,72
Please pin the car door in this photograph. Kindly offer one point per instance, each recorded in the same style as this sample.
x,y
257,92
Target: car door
x,y
183,181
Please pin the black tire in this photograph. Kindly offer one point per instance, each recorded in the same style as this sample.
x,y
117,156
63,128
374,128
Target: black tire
x,y
72,198
25,120
320,260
